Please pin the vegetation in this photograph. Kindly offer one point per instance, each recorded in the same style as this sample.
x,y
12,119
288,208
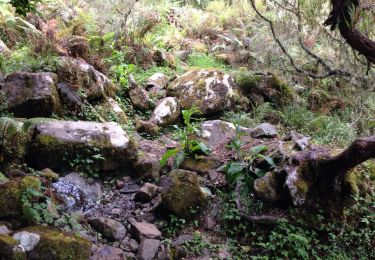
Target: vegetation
x,y
306,67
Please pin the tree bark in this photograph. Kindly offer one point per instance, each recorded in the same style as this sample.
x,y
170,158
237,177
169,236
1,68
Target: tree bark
x,y
342,15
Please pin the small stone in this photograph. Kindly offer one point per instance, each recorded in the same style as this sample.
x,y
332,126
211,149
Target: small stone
x,y
4,230
264,130
129,256
209,222
146,127
108,253
146,217
110,228
148,249
27,240
120,184
146,193
144,230
133,245
116,211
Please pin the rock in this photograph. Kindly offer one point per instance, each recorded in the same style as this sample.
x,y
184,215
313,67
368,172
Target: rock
x,y
53,141
116,211
166,112
11,194
217,132
76,192
202,166
28,241
69,97
147,217
130,256
49,174
209,222
114,107
31,94
110,228
178,244
211,91
120,184
4,230
148,160
85,78
4,50
139,96
164,59
142,230
57,245
131,245
264,87
147,192
264,130
301,141
270,187
148,249
158,80
146,127
181,192
9,249
108,253
164,253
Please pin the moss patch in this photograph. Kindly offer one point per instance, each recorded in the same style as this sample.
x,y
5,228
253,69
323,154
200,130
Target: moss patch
x,y
9,249
10,195
59,246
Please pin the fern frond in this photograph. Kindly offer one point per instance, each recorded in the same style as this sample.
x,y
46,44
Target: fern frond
x,y
30,123
9,127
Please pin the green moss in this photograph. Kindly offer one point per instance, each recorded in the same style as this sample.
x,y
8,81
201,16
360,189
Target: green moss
x,y
286,93
9,249
246,80
201,165
10,195
351,182
57,245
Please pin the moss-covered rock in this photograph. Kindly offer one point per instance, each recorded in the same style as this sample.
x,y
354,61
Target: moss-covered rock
x,y
57,143
212,91
260,87
270,187
201,165
10,196
57,245
9,249
181,192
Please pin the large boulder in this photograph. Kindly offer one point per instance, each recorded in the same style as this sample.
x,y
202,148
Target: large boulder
x,y
55,141
211,91
31,94
181,192
166,112
11,192
83,77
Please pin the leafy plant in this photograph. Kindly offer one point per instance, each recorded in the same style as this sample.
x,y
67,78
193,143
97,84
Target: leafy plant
x,y
189,146
246,169
35,207
24,6
175,224
87,164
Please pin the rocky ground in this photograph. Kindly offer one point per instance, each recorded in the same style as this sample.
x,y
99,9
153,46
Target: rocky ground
x,y
72,187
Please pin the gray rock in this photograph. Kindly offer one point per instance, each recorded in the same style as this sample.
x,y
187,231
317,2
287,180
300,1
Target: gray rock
x,y
264,130
27,240
146,193
148,249
94,84
217,132
4,230
108,253
270,187
182,239
110,228
158,80
139,96
211,91
76,192
54,140
31,94
142,230
166,112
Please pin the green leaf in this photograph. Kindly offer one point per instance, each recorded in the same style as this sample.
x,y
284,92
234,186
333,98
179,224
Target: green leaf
x,y
235,167
268,159
168,154
258,149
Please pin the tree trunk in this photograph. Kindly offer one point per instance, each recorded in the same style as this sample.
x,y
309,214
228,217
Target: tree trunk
x,y
342,16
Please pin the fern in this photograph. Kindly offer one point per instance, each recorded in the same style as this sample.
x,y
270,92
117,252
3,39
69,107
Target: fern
x,y
30,123
9,127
